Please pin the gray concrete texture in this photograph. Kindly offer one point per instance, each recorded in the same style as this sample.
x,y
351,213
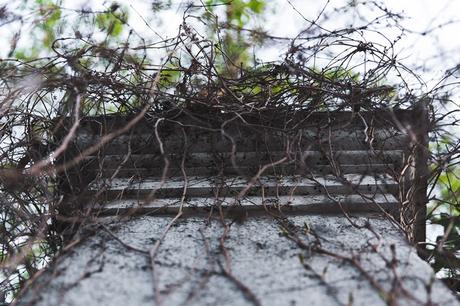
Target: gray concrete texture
x,y
333,262
255,259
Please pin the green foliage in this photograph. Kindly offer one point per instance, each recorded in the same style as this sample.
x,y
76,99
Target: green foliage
x,y
445,256
339,74
49,20
239,12
169,76
449,183
51,23
235,46
112,22
51,14
158,5
445,211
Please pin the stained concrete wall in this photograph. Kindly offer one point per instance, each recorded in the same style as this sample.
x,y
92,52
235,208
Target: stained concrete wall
x,y
258,256
267,268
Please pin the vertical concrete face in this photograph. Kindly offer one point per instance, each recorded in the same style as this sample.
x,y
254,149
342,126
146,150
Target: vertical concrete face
x,y
241,220
335,263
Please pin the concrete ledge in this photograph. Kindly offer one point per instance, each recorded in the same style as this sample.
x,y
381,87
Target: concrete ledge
x,y
267,185
249,205
255,159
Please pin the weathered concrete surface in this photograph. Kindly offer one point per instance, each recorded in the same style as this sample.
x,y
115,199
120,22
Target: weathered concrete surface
x,y
189,265
288,204
199,186
305,259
